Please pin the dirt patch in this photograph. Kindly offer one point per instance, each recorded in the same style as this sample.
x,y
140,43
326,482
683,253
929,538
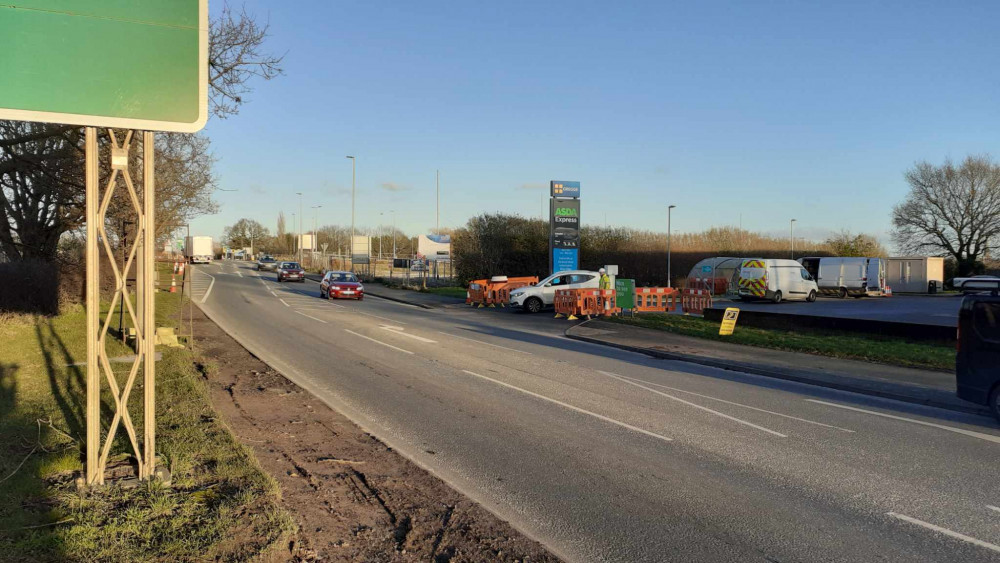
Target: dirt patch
x,y
353,497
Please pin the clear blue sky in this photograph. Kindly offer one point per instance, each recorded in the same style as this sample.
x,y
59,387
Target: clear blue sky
x,y
772,110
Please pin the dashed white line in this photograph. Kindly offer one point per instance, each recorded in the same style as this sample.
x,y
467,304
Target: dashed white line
x,y
376,316
697,406
274,294
736,404
573,408
400,331
378,341
283,302
481,342
945,531
311,317
980,435
993,508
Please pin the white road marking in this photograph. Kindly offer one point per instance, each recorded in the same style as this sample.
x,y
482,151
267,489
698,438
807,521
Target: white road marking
x,y
945,531
239,274
737,404
980,435
283,302
311,317
376,316
209,290
274,294
689,403
399,330
573,408
993,508
377,341
481,342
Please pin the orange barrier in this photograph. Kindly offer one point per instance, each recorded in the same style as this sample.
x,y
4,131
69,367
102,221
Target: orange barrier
x,y
575,303
695,301
655,299
476,295
498,293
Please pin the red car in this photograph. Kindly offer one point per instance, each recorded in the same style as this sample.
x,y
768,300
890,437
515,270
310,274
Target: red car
x,y
341,285
290,271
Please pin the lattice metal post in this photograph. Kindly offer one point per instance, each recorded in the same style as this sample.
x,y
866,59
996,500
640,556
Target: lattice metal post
x,y
97,357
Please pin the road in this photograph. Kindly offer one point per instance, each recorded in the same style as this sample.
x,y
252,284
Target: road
x,y
606,455
919,309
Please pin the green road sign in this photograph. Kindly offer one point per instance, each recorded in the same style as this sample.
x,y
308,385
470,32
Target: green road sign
x,y
625,293
136,64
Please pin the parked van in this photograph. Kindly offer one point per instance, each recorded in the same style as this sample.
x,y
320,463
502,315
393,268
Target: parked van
x,y
847,276
776,280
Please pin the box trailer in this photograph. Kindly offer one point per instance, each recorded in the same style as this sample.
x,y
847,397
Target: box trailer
x,y
199,250
915,274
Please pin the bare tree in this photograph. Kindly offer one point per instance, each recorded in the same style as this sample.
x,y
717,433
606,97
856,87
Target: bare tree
x,y
951,210
235,57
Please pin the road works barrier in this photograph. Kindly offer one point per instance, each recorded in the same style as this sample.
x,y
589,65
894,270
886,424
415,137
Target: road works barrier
x,y
575,303
495,291
695,301
476,295
655,299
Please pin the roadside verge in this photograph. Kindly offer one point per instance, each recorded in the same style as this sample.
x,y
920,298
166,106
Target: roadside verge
x,y
923,387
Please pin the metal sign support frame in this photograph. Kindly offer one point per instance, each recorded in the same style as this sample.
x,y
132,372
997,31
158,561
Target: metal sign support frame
x,y
142,316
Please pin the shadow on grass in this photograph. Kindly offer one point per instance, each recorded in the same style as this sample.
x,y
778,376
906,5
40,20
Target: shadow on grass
x,y
67,382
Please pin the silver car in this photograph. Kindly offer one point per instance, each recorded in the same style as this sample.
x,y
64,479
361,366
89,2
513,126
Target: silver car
x,y
535,298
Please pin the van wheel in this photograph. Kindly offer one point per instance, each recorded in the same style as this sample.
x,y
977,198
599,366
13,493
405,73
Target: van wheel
x,y
995,402
811,297
777,297
843,293
533,305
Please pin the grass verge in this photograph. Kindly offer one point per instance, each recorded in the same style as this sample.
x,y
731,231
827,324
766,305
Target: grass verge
x,y
220,505
836,344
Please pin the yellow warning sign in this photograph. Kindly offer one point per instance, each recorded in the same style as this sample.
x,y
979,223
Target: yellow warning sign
x,y
729,321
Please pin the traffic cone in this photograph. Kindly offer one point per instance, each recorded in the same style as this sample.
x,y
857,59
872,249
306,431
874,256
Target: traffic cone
x,y
173,284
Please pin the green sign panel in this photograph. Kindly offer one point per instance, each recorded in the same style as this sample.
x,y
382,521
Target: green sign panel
x,y
625,293
136,64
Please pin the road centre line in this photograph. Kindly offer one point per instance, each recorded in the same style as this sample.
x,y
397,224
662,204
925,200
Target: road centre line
x,y
697,406
399,330
283,302
274,294
980,435
311,317
481,342
734,403
377,341
945,531
573,408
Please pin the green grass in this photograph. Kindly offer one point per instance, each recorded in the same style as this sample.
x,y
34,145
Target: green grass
x,y
220,505
886,350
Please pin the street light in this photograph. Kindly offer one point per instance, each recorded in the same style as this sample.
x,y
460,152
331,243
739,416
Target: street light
x,y
791,237
353,177
668,244
301,216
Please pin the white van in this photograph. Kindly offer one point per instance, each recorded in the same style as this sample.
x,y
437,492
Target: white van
x,y
776,280
844,276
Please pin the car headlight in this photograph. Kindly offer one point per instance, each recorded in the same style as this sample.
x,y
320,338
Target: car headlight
x,y
335,288
361,288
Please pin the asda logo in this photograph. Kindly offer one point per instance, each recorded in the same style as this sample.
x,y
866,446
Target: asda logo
x,y
565,212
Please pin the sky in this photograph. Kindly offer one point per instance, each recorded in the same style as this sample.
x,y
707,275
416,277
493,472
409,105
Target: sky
x,y
748,113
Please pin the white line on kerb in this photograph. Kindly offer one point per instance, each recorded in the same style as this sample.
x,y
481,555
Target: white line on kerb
x,y
737,404
209,290
572,408
283,302
697,406
980,435
945,531
377,341
311,317
399,330
993,508
481,342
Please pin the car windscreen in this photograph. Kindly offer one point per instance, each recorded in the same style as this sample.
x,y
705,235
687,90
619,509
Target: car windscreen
x,y
343,278
289,265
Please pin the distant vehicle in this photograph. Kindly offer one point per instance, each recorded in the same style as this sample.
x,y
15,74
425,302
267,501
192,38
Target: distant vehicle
x,y
290,271
199,250
535,298
975,283
775,280
267,263
847,276
977,362
341,285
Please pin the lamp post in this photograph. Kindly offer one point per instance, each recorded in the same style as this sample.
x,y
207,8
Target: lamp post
x,y
301,221
393,212
669,208
437,204
350,245
791,237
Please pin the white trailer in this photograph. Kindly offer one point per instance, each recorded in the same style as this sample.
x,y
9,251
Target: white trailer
x,y
199,250
847,276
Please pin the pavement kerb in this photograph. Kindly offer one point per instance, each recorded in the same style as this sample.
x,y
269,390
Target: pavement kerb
x,y
368,291
842,384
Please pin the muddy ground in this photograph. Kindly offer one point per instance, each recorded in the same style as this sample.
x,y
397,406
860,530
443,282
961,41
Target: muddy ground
x,y
353,497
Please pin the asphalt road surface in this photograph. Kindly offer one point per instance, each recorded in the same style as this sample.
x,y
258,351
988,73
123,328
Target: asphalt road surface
x,y
606,455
